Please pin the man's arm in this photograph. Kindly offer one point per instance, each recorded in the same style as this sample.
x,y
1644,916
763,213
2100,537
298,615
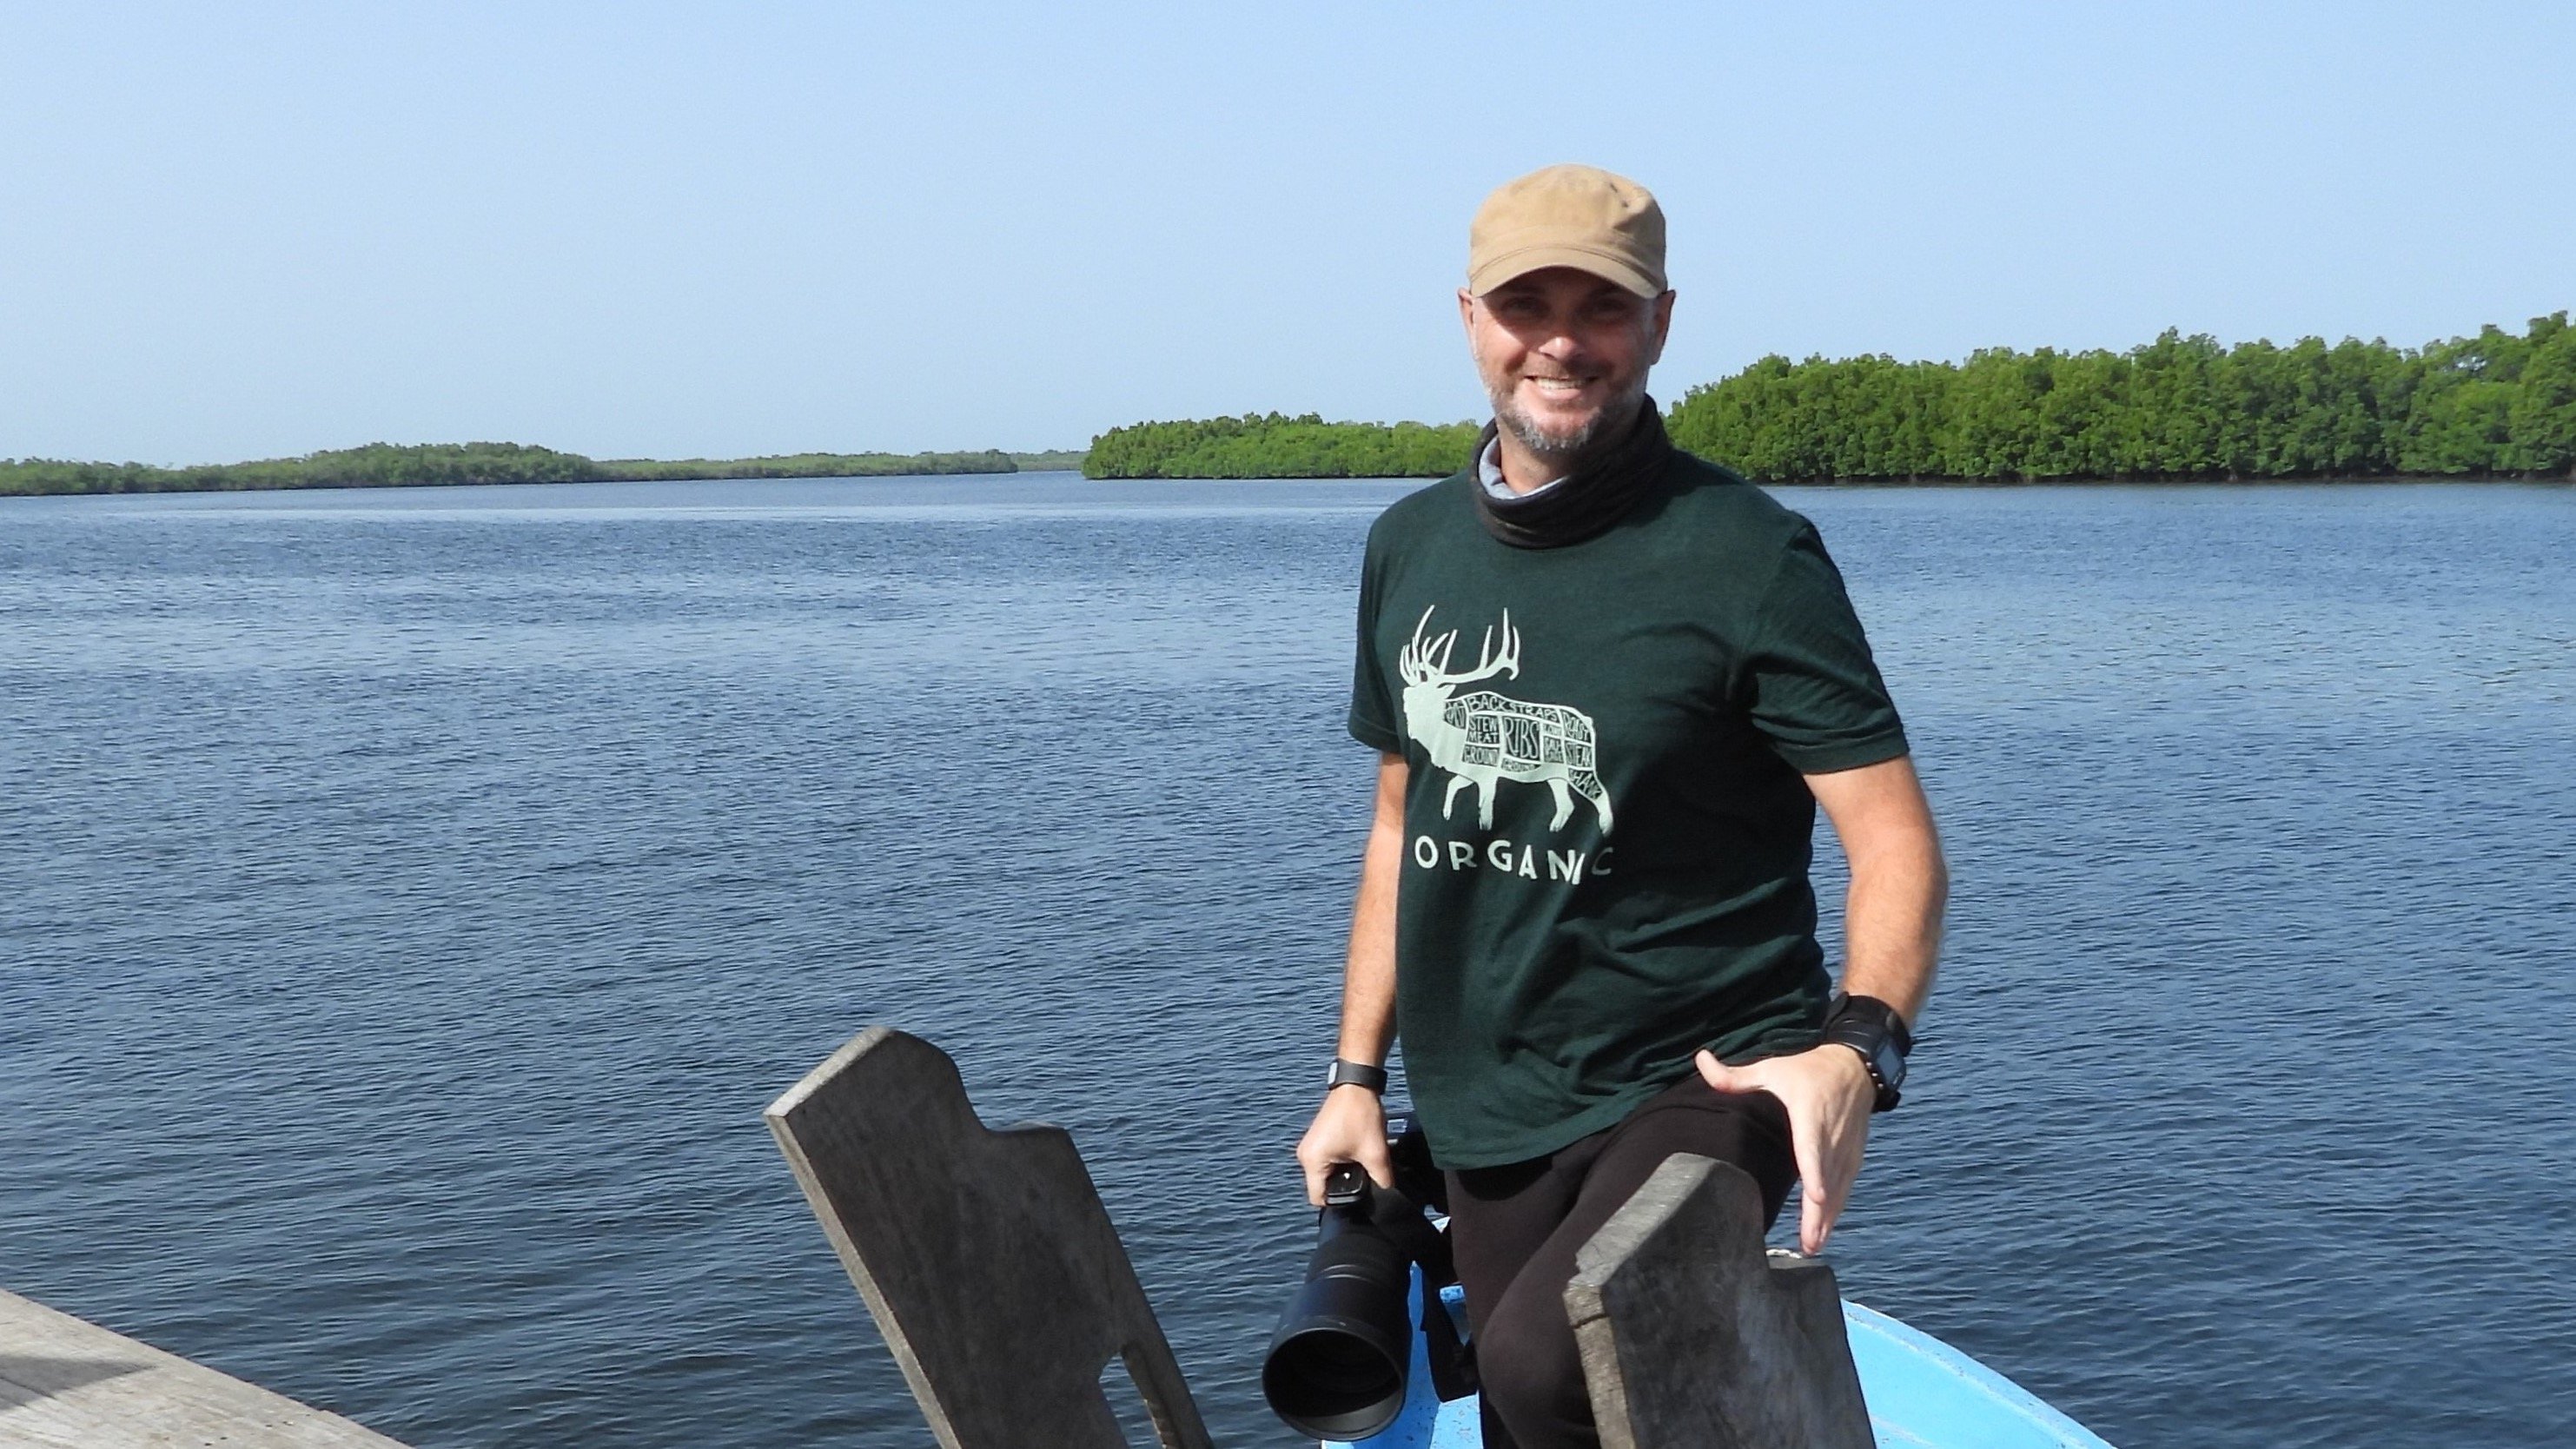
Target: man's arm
x,y
1899,883
1891,937
1351,1125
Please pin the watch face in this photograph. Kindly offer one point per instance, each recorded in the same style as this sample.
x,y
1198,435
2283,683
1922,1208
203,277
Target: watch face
x,y
1891,1066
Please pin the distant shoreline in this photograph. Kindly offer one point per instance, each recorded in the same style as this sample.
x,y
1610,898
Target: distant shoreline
x,y
434,465
1838,484
2180,409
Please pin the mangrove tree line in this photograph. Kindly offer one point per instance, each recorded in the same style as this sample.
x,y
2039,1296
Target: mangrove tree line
x,y
384,465
2499,404
1272,446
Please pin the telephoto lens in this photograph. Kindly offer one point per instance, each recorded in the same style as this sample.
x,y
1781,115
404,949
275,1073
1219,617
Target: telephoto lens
x,y
1338,1362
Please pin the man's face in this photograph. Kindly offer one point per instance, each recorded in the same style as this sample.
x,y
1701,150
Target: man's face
x,y
1564,354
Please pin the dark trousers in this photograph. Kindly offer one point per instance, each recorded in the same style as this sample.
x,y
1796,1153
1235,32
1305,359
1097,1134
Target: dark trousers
x,y
1515,1229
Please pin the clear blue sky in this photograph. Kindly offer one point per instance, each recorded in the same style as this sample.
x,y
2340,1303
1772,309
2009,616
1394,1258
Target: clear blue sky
x,y
244,230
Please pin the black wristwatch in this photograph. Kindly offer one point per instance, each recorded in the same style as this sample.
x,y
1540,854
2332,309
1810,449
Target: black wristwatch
x,y
1348,1073
1872,1028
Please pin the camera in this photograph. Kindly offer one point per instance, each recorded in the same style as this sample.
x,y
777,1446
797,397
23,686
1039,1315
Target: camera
x,y
1340,1362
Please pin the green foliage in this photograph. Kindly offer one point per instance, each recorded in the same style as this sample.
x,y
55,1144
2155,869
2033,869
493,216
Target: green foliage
x,y
2540,426
382,465
2494,405
2499,404
1273,446
377,465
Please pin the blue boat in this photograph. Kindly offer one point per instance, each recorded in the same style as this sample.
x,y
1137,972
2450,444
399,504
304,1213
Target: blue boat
x,y
1922,1393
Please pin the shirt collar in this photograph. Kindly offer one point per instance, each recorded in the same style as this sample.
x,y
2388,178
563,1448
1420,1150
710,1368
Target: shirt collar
x,y
1489,470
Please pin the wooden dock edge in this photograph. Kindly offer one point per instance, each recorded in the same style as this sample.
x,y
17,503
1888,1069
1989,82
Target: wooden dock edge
x,y
66,1383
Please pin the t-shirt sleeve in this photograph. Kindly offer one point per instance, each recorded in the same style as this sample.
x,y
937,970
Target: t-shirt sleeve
x,y
1814,689
1372,720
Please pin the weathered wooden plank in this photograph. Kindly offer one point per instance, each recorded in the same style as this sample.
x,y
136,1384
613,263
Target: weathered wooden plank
x,y
69,1384
987,1258
1694,1338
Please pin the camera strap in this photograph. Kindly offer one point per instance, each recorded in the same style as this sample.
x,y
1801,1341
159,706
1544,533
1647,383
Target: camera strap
x,y
1405,1225
1453,1362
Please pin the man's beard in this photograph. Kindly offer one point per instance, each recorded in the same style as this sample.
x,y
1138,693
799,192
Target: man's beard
x,y
1564,450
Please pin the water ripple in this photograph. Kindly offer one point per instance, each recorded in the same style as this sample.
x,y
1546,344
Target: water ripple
x,y
413,898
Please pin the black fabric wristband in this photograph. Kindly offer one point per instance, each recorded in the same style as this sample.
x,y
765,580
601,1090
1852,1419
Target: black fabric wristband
x,y
1876,1013
1873,1028
1348,1073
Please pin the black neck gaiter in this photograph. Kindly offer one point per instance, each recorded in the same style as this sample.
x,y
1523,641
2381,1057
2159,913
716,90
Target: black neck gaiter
x,y
1598,493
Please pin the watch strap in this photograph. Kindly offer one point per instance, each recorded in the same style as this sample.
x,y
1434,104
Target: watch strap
x,y
1873,1029
1348,1073
1877,1014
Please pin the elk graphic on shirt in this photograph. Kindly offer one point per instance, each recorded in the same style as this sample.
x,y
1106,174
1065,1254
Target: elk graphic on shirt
x,y
1484,738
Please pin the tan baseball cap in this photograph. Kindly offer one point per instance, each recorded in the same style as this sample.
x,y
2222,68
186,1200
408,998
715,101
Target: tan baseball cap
x,y
1568,216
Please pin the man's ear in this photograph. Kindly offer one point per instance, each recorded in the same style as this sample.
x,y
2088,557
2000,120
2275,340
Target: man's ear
x,y
1467,310
1663,327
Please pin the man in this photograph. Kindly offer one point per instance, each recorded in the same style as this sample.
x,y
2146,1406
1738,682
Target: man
x,y
1585,892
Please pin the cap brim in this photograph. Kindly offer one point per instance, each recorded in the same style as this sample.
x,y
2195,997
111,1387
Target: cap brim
x,y
1608,266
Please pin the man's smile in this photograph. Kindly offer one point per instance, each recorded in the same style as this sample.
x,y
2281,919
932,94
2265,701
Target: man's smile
x,y
1562,386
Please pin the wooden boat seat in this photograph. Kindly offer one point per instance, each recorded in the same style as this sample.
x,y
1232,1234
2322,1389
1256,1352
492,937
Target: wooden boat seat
x,y
1693,1337
986,1256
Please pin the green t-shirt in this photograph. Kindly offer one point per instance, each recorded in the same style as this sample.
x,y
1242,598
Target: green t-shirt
x,y
1606,836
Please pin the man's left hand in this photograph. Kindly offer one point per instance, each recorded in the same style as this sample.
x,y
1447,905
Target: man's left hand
x,y
1828,1094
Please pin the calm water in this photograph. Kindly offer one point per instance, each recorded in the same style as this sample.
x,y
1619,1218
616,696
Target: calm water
x,y
408,901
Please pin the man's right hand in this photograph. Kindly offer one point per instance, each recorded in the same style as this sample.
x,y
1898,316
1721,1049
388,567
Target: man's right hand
x,y
1349,1127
